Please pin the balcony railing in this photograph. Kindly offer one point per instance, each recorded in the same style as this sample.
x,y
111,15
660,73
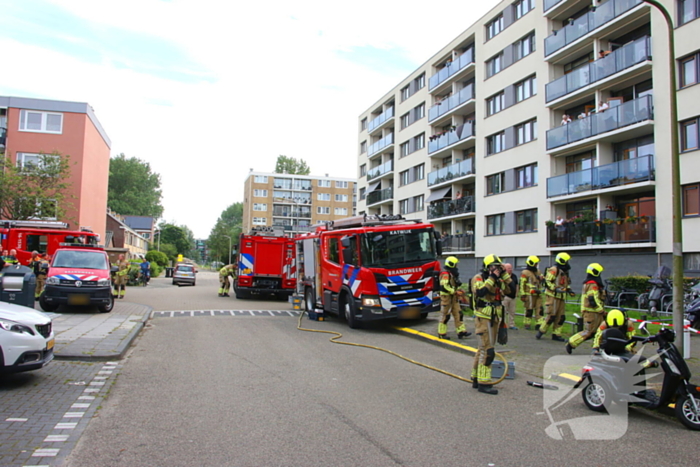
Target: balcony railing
x,y
379,196
451,172
604,13
377,122
467,58
620,173
380,170
629,113
450,103
451,207
451,137
381,144
458,242
622,58
3,135
642,230
286,212
550,3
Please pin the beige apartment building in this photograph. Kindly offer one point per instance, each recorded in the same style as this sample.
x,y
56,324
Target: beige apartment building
x,y
544,109
296,202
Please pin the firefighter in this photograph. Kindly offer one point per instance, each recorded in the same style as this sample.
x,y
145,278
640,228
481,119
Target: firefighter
x,y
449,300
557,285
224,282
121,277
11,259
615,319
530,292
592,306
41,268
489,287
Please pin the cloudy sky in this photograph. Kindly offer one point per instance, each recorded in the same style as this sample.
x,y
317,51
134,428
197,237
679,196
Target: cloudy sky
x,y
205,90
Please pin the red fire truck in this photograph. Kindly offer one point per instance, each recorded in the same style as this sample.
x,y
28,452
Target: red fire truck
x,y
369,268
266,264
41,236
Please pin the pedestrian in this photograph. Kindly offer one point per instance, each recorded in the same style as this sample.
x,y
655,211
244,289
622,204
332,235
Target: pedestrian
x,y
41,268
592,306
508,302
145,269
560,225
449,300
489,287
557,286
224,281
121,277
531,292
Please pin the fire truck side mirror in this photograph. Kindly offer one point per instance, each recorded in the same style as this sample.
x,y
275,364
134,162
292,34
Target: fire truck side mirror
x,y
345,241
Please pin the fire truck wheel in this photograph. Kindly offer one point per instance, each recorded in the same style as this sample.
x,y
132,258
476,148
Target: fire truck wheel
x,y
48,307
349,312
309,304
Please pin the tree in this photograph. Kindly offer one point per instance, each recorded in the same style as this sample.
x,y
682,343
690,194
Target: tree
x,y
290,165
133,189
229,223
37,189
171,234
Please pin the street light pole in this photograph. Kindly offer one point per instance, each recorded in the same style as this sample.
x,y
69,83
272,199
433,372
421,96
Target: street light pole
x,y
678,306
229,248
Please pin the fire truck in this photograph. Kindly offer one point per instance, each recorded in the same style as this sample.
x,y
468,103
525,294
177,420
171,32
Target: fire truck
x,y
41,236
266,264
368,268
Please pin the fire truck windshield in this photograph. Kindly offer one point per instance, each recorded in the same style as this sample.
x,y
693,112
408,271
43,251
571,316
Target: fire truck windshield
x,y
391,248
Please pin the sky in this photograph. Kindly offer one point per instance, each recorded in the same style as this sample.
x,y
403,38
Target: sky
x,y
205,90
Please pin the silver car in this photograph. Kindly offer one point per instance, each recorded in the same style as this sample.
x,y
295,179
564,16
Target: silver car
x,y
184,274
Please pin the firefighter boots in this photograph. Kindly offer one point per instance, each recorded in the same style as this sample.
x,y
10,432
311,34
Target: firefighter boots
x,y
487,389
463,335
557,338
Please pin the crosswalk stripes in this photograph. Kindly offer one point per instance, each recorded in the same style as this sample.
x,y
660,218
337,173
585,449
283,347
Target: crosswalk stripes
x,y
194,313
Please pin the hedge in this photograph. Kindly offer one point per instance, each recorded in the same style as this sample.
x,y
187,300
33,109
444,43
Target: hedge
x,y
640,283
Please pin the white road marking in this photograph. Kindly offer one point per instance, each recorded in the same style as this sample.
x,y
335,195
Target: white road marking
x,y
16,419
56,438
65,426
45,453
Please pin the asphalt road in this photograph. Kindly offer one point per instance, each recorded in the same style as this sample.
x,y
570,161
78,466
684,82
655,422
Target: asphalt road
x,y
255,391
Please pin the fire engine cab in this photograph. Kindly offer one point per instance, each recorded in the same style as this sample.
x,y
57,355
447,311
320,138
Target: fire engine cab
x,y
41,236
368,268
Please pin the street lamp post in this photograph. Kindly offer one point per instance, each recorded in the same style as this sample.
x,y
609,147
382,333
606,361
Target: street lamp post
x,y
229,248
675,183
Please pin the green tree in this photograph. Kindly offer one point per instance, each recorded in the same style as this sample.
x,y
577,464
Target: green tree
x,y
37,189
176,236
229,223
133,189
290,165
158,257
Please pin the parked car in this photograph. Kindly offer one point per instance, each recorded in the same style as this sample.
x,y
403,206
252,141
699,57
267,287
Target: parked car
x,y
184,274
26,339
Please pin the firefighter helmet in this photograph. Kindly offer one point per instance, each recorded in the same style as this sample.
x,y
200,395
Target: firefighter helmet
x,y
532,261
594,269
451,262
491,260
615,318
562,258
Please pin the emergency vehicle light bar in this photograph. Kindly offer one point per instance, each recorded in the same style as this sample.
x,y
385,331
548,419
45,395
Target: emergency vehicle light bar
x,y
80,245
365,220
38,224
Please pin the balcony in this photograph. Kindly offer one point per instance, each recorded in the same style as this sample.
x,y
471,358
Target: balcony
x,y
454,101
380,170
385,116
625,57
282,211
590,21
451,207
458,243
601,234
380,196
3,136
623,115
452,172
460,133
550,3
464,60
620,173
376,147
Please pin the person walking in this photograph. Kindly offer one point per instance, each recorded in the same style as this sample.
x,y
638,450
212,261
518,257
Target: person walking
x,y
508,302
557,286
592,307
122,276
530,292
224,281
41,269
449,300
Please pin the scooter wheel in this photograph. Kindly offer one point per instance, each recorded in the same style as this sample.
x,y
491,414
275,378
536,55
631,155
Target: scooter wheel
x,y
686,413
594,396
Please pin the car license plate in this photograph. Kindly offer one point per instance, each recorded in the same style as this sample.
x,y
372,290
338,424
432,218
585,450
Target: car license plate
x,y
78,299
409,313
49,344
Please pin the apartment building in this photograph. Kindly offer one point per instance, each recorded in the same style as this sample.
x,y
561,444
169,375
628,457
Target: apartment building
x,y
30,127
295,201
544,109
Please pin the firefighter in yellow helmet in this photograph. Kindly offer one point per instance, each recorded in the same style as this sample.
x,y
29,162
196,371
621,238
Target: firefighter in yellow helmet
x,y
449,300
557,286
121,277
530,291
592,306
614,319
489,287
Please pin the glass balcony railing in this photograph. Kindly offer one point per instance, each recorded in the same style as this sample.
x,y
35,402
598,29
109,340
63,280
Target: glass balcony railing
x,y
459,242
377,122
618,173
629,113
381,144
453,136
604,13
379,196
450,103
622,58
550,3
467,58
451,172
623,231
280,211
380,170
451,207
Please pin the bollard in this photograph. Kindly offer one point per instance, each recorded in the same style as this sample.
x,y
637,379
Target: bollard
x,y
686,339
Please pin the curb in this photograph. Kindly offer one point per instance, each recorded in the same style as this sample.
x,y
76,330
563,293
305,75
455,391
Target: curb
x,y
444,343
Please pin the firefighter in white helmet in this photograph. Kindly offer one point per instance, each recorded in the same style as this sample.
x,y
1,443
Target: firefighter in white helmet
x,y
449,300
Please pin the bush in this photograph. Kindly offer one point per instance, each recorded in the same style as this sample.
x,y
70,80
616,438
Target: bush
x,y
156,269
157,257
635,282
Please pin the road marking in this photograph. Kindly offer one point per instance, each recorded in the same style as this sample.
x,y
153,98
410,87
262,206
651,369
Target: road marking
x,y
197,313
73,415
16,419
79,406
436,339
56,438
65,426
45,453
569,377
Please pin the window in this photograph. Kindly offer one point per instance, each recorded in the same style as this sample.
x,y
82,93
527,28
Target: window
x,y
404,178
687,10
260,179
419,111
409,205
363,193
494,184
524,46
418,201
689,135
496,103
419,141
363,147
341,184
405,92
405,121
259,207
341,198
691,200
40,122
419,171
691,261
494,65
526,88
323,210
494,224
324,183
259,221
341,211
363,170
525,132
526,176
494,27
522,7
29,162
403,206
526,221
323,196
333,250
411,117
420,81
363,124
495,143
260,193
33,208
689,70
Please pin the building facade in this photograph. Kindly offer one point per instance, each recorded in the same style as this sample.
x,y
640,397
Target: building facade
x,y
30,127
124,238
545,110
295,201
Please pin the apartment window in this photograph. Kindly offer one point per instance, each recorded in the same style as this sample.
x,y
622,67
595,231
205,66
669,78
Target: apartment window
x,y
419,171
689,70
40,122
323,209
691,261
494,27
363,170
525,132
363,147
526,221
363,124
405,121
494,224
494,184
419,111
341,198
405,150
524,46
526,176
404,178
688,10
363,193
259,221
526,88
689,135
323,196
341,184
691,200
28,162
419,141
420,81
496,103
494,65
46,209
522,7
418,203
495,143
341,211
405,92
259,207
260,179
324,183
403,206
260,193
409,205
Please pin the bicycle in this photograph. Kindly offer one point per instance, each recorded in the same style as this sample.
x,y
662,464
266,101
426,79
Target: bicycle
x,y
144,279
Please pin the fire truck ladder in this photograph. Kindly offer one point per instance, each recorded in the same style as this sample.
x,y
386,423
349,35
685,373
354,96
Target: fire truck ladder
x,y
371,220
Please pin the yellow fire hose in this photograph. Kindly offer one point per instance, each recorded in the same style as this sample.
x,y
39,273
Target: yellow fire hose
x,y
337,335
